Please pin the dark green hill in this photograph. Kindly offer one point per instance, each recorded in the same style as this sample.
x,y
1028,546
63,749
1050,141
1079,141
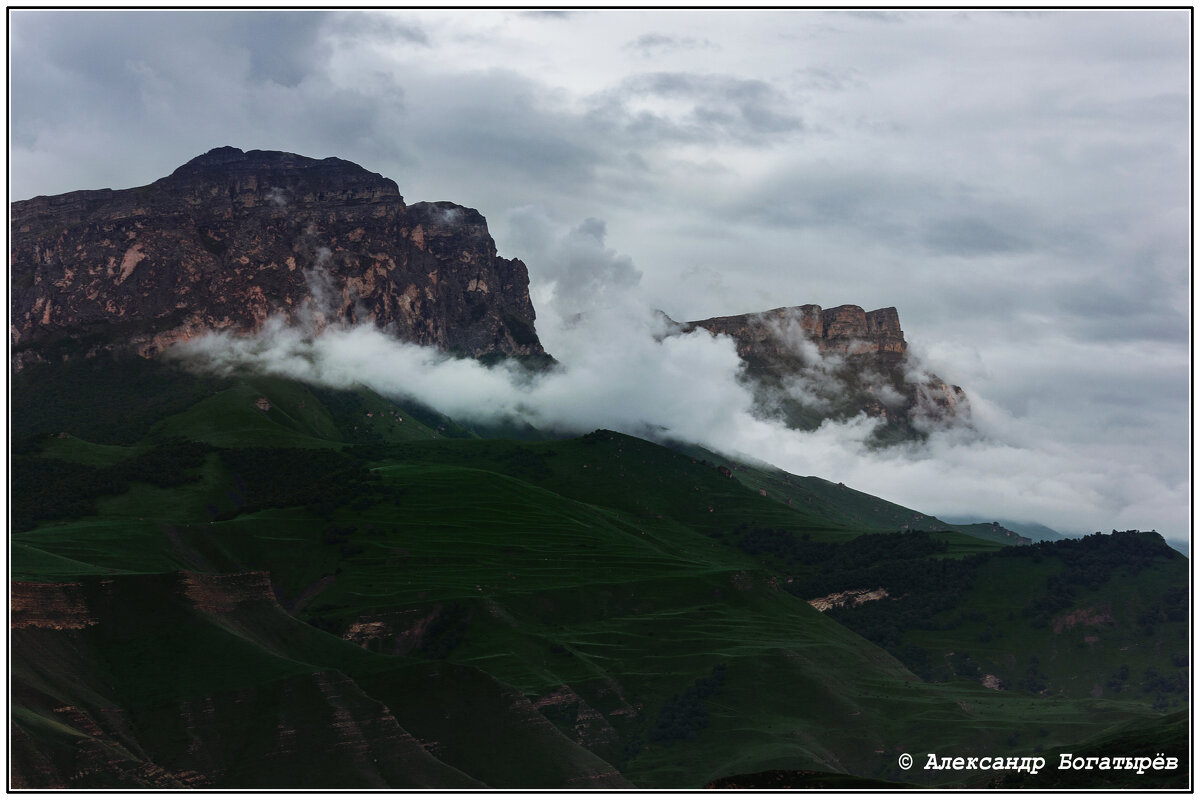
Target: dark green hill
x,y
1105,615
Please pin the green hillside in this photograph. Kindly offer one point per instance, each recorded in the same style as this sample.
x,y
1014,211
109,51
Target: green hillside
x,y
268,576
843,504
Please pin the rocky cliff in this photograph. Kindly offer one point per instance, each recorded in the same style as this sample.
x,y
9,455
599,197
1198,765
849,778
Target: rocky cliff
x,y
807,364
846,330
233,237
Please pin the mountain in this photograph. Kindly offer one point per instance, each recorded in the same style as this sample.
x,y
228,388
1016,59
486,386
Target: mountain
x,y
233,237
807,364
243,581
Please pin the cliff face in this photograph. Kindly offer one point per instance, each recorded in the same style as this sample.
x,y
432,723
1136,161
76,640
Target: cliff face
x,y
845,329
807,364
233,237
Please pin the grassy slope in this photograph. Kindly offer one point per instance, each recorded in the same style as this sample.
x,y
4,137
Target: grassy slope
x,y
585,564
841,504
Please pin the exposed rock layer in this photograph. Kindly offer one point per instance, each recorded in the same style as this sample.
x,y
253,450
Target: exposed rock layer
x,y
233,237
845,329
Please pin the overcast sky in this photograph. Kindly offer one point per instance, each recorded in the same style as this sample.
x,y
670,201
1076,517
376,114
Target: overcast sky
x,y
1016,184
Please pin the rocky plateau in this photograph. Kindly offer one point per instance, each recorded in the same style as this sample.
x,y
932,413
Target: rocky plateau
x,y
232,238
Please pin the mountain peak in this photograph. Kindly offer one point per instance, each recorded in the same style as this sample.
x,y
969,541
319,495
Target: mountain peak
x,y
216,156
273,176
263,159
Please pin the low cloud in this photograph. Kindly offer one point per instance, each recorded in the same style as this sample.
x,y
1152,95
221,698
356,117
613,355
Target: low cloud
x,y
636,382
574,268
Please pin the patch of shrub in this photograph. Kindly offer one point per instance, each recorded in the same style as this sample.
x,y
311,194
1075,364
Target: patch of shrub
x,y
684,715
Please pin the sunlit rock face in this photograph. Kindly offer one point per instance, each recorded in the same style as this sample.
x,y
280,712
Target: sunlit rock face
x,y
232,238
807,365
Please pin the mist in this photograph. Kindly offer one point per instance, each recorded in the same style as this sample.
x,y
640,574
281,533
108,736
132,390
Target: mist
x,y
623,368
